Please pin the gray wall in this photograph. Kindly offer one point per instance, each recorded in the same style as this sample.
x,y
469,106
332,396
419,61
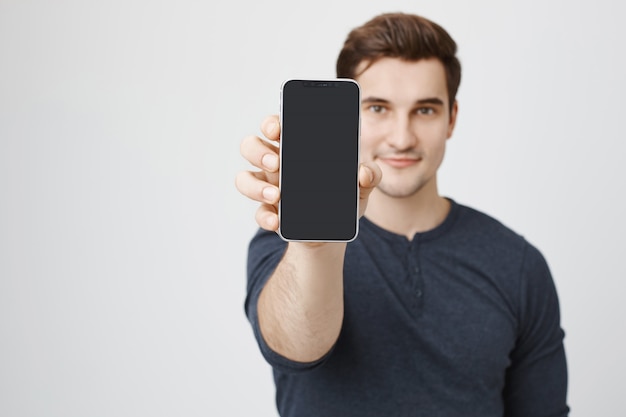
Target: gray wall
x,y
123,239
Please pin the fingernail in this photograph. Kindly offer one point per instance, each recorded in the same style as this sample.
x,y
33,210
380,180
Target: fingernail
x,y
270,161
270,193
370,173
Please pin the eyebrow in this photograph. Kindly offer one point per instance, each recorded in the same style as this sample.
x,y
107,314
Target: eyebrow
x,y
429,100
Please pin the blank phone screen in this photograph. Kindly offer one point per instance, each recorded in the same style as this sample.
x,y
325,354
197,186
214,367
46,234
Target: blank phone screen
x,y
319,149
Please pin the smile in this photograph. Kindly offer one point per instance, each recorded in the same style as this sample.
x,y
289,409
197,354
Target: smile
x,y
400,162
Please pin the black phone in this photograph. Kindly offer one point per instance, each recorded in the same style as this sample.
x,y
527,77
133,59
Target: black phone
x,y
319,160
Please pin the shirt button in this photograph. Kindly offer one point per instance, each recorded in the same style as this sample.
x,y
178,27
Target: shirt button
x,y
416,269
418,293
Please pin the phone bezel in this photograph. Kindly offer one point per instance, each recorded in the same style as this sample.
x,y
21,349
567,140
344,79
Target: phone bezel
x,y
356,217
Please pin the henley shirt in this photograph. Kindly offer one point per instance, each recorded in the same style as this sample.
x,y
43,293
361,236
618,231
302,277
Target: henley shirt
x,y
462,320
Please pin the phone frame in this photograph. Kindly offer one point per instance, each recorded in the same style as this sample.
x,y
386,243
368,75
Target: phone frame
x,y
358,150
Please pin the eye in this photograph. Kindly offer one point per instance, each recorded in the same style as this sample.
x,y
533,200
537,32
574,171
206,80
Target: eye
x,y
426,111
377,108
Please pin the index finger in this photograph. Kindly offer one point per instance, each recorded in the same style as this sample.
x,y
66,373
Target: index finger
x,y
271,128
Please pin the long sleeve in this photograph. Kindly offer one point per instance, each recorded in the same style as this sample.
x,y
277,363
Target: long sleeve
x,y
536,381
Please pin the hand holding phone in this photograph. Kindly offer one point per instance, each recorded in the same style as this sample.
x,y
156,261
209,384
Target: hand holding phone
x,y
319,160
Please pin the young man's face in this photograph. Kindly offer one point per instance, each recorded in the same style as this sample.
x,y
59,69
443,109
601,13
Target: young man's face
x,y
406,121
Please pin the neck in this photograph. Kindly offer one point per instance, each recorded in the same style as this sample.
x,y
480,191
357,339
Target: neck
x,y
417,213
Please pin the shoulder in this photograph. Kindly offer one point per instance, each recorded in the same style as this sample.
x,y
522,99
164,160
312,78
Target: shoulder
x,y
503,257
481,224
485,239
486,231
491,231
499,241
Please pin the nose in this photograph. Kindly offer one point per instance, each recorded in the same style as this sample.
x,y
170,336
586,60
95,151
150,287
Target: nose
x,y
402,136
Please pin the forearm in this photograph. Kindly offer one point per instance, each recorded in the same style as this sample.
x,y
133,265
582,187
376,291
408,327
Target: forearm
x,y
300,309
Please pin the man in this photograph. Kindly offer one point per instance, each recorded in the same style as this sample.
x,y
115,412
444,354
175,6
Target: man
x,y
435,309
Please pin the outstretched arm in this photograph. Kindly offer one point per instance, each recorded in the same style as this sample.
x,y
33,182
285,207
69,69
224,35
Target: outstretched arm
x,y
300,309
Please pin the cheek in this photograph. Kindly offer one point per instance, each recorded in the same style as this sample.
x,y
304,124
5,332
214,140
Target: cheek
x,y
434,136
437,150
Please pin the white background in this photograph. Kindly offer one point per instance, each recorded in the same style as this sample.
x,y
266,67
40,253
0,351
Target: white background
x,y
123,240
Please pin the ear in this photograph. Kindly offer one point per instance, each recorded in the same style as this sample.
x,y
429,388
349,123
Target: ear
x,y
453,113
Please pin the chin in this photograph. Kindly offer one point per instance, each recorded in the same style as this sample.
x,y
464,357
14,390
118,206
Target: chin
x,y
399,190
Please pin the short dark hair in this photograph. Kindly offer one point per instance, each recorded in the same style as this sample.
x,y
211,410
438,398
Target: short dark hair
x,y
399,35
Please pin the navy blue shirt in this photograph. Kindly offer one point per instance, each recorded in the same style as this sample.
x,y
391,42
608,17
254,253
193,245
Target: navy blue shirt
x,y
462,320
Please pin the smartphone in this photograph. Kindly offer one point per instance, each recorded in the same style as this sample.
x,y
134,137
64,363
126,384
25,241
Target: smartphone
x,y
319,160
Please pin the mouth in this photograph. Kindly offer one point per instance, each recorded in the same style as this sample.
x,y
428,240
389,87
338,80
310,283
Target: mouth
x,y
399,162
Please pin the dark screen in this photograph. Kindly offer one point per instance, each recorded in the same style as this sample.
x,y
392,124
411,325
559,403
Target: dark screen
x,y
319,160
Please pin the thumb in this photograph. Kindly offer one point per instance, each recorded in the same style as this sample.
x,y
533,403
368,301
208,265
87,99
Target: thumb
x,y
370,175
